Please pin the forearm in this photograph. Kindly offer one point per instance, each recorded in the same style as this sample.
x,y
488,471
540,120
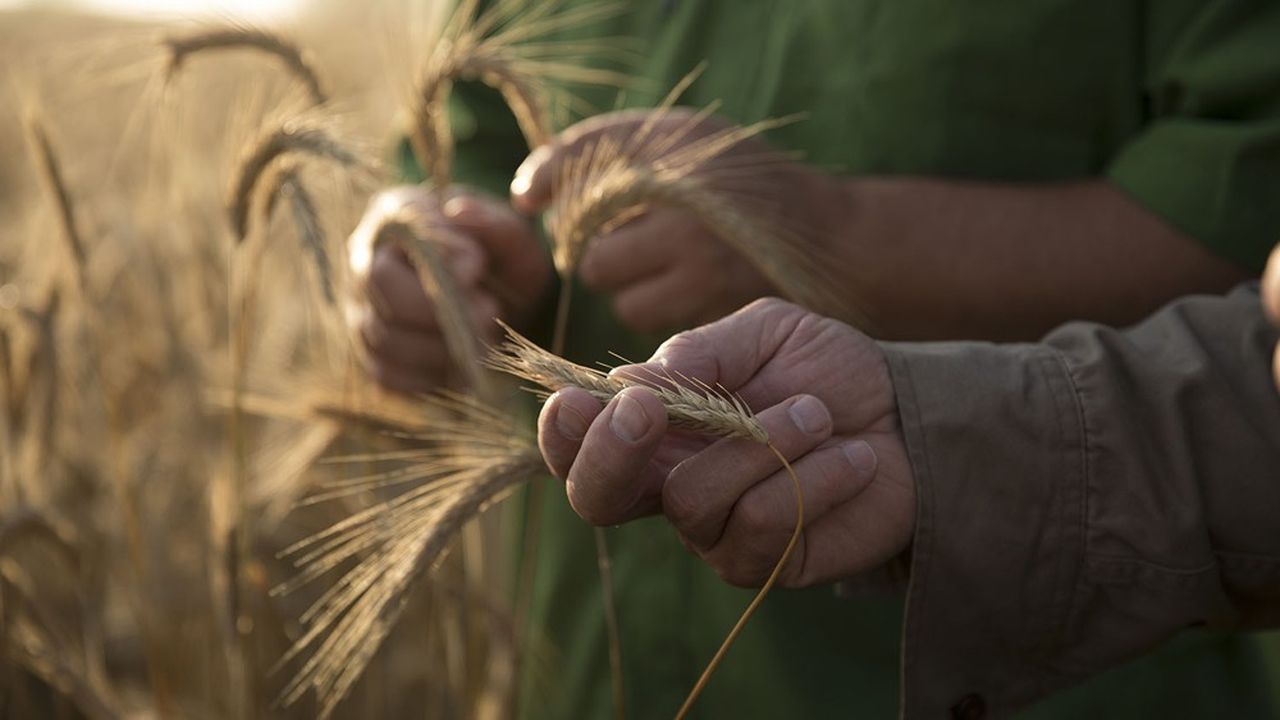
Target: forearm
x,y
939,259
1084,498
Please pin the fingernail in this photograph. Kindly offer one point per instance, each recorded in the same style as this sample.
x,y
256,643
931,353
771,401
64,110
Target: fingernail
x,y
523,180
629,421
455,206
571,423
809,414
862,457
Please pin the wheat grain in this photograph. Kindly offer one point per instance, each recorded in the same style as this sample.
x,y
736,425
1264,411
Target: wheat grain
x,y
691,405
298,61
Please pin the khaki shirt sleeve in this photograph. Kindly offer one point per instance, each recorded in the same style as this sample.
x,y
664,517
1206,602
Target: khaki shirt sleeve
x,y
1085,498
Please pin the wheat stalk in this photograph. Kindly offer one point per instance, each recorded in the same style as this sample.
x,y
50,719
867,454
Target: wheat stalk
x,y
301,136
504,48
181,47
465,464
691,405
55,185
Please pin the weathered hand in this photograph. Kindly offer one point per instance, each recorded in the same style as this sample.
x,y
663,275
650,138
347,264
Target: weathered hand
x,y
664,269
823,392
490,246
1271,300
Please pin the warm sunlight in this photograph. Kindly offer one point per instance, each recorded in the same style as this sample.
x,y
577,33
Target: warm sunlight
x,y
243,9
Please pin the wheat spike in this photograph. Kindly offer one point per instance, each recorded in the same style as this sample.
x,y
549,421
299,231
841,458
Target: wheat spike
x,y
466,463
55,185
612,180
691,405
412,231
299,63
299,135
504,48
285,181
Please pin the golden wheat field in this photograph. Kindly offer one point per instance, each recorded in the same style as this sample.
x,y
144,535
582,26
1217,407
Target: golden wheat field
x,y
207,509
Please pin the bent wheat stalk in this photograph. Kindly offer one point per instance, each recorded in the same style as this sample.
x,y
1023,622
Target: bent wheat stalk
x,y
182,47
699,408
300,136
506,48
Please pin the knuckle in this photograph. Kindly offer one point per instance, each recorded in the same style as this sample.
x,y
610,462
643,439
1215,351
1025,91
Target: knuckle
x,y
585,503
681,507
756,518
771,305
739,572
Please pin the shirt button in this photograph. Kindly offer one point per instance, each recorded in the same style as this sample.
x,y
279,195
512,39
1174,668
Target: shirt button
x,y
970,707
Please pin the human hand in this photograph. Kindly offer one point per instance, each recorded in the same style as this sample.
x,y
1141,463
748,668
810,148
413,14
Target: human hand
x,y
664,269
1271,300
488,246
825,396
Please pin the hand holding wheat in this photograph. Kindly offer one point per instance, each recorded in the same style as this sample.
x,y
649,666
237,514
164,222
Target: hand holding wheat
x,y
486,245
827,402
706,197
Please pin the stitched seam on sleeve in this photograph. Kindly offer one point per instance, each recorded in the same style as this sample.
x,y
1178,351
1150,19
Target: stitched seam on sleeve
x,y
923,546
1083,478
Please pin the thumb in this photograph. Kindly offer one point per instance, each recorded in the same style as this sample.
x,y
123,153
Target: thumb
x,y
531,185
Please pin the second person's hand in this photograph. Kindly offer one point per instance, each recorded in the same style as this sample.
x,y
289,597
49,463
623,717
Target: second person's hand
x,y
488,246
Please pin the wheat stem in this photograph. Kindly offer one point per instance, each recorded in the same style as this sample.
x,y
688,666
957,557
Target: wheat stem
x,y
760,595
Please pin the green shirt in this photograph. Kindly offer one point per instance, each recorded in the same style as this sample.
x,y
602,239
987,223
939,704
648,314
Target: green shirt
x,y
1176,101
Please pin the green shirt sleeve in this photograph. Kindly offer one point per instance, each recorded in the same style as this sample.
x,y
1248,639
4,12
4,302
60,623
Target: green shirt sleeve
x,y
1209,162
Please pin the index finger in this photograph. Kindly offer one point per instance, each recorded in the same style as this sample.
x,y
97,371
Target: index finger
x,y
533,186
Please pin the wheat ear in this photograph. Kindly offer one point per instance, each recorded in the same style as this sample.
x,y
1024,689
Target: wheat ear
x,y
467,461
55,185
504,48
285,182
412,231
691,405
294,136
297,60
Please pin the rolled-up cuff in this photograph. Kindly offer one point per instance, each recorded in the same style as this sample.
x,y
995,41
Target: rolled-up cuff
x,y
995,438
